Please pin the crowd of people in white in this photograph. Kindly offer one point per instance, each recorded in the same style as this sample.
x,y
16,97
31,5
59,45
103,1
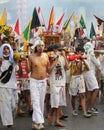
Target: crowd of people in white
x,y
49,76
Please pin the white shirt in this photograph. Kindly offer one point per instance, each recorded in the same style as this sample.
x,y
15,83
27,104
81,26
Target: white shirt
x,y
58,74
12,83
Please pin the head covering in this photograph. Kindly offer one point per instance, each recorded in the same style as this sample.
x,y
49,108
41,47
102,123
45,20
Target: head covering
x,y
37,43
89,48
11,52
86,38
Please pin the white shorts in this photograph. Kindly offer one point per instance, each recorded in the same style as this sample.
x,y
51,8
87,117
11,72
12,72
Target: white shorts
x,y
77,85
58,96
90,80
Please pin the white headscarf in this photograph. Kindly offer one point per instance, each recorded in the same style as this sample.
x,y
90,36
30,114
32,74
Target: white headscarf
x,y
88,48
11,52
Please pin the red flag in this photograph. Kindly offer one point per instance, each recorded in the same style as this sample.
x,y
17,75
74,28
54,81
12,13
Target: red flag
x,y
16,28
58,26
60,20
81,31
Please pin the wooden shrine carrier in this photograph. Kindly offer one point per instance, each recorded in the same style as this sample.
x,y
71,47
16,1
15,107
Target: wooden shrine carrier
x,y
51,39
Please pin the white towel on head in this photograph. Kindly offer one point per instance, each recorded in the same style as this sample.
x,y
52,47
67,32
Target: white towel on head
x,y
37,43
11,52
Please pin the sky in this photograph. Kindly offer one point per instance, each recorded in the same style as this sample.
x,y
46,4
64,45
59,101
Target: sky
x,y
24,9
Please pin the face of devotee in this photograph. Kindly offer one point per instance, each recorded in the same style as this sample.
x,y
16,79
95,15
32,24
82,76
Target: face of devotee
x,y
40,48
6,51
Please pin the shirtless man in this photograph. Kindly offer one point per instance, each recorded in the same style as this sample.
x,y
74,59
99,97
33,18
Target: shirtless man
x,y
38,66
77,85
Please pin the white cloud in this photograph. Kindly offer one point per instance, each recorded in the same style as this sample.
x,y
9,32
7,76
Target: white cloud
x,y
4,1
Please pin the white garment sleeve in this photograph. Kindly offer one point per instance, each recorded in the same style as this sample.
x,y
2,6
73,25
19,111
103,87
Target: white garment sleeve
x,y
16,67
95,62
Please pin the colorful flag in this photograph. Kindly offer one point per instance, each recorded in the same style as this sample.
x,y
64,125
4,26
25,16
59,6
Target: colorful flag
x,y
81,31
103,29
16,28
82,22
40,31
60,20
3,19
35,20
26,33
92,31
58,26
99,20
75,19
68,30
51,19
35,32
76,34
41,17
67,22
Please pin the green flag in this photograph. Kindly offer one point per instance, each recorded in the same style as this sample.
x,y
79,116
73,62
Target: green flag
x,y
26,33
92,31
82,22
77,33
35,20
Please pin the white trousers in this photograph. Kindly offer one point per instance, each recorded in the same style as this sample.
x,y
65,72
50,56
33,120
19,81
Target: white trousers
x,y
7,104
37,91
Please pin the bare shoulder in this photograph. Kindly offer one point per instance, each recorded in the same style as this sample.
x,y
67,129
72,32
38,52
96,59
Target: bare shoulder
x,y
31,56
45,55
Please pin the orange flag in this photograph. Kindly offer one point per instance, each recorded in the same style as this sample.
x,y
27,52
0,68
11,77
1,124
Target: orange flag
x,y
51,20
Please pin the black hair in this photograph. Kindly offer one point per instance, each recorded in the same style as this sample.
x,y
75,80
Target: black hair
x,y
57,46
50,48
54,46
35,49
102,45
80,48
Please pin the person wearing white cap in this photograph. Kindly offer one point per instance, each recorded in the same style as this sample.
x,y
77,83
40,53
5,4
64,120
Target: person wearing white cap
x,y
38,66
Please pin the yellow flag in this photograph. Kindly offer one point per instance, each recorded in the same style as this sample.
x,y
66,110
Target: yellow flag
x,y
40,31
68,29
75,19
3,19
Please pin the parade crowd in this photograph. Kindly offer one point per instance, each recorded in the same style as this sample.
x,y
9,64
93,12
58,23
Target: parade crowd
x,y
46,77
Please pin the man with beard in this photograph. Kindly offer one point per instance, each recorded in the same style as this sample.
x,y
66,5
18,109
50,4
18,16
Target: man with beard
x,y
38,66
